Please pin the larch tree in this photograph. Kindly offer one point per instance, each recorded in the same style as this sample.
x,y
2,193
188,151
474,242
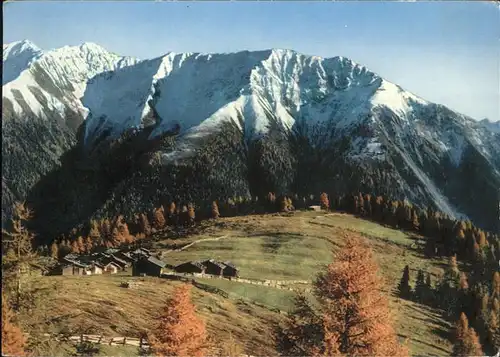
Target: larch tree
x,y
144,224
324,201
284,204
215,210
191,214
404,285
54,250
466,340
18,253
356,318
13,340
81,244
494,324
159,220
179,332
495,286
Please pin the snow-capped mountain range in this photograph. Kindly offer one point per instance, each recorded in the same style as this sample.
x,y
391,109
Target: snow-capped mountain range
x,y
198,94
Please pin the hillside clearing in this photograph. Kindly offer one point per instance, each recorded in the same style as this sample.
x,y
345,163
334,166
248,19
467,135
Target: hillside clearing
x,y
278,247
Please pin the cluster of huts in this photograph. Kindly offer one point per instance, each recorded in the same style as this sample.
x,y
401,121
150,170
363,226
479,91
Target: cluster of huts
x,y
110,261
141,261
210,267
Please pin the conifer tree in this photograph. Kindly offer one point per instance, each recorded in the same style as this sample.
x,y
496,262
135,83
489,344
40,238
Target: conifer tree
x,y
284,204
356,318
428,285
13,340
304,334
179,332
74,247
415,221
144,224
159,220
324,201
88,244
420,287
54,250
494,325
172,213
18,253
191,214
81,244
215,210
495,286
404,285
466,340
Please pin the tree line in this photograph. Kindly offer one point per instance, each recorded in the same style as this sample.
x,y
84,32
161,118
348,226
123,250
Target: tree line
x,y
470,301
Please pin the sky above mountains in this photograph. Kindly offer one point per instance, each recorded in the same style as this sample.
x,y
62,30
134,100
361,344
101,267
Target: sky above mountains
x,y
446,52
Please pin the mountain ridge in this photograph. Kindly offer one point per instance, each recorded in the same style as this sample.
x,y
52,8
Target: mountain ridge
x,y
268,97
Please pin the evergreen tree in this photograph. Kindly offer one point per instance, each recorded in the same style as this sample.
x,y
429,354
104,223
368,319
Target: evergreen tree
x,y
303,335
191,214
420,287
404,285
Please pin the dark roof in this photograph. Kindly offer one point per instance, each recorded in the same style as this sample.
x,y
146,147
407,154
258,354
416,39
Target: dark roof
x,y
140,252
214,262
103,263
231,265
157,262
196,264
118,260
72,262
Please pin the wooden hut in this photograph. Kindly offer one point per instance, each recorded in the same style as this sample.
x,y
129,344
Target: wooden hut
x,y
148,266
191,267
213,267
230,270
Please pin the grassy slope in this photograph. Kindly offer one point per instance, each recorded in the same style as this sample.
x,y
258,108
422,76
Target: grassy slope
x,y
278,247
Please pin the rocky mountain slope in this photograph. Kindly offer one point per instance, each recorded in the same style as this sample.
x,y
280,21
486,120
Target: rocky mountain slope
x,y
196,127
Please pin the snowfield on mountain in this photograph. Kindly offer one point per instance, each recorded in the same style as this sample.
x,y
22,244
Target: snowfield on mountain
x,y
430,153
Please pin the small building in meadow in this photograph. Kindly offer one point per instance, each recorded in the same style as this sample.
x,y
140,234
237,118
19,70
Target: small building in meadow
x,y
213,267
110,268
230,270
148,266
96,269
71,268
191,267
314,208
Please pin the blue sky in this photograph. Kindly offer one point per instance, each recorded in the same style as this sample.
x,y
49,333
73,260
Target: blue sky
x,y
447,52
